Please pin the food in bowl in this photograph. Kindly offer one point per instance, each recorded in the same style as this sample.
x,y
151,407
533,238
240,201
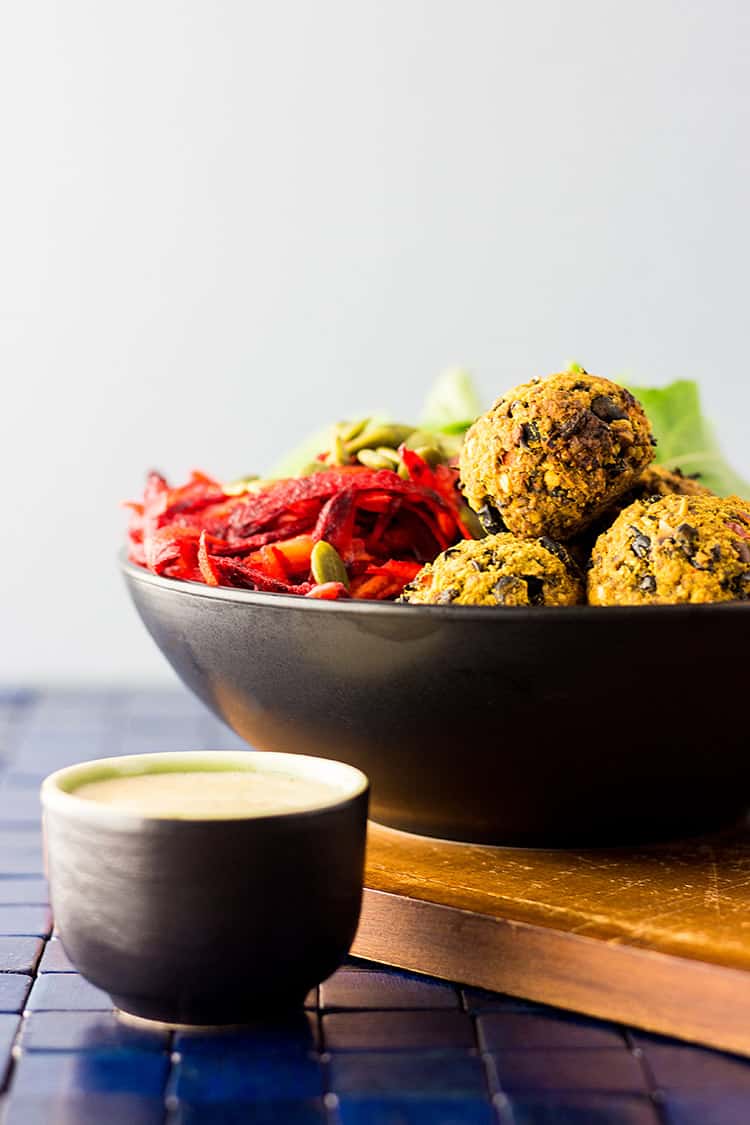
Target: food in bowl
x,y
499,570
553,454
384,511
674,549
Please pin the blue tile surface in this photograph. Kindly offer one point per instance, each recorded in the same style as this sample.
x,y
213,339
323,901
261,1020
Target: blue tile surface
x,y
14,988
706,1109
434,1074
582,1109
88,1031
376,1046
543,1032
23,892
261,1113
124,1088
20,954
243,1077
378,1031
579,1069
21,920
55,959
405,1111
67,992
296,1035
384,990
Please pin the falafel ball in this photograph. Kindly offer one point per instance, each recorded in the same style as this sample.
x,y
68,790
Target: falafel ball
x,y
659,481
674,549
552,454
654,482
499,570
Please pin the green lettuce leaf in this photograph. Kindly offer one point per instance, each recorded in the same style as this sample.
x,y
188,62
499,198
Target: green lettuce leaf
x,y
452,404
686,438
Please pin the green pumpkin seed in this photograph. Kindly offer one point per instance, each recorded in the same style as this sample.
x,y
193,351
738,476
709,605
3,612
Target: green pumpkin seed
x,y
472,522
419,437
313,467
349,430
372,459
338,454
327,565
387,434
237,487
389,454
430,454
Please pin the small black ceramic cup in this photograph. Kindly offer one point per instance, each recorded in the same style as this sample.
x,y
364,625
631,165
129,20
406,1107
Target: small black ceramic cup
x,y
207,921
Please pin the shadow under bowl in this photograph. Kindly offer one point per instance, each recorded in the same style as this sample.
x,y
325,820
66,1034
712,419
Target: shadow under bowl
x,y
563,726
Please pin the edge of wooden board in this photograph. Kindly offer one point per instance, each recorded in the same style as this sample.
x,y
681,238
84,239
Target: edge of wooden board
x,y
659,992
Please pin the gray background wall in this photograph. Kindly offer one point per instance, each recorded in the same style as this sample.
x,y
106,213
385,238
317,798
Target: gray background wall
x,y
224,223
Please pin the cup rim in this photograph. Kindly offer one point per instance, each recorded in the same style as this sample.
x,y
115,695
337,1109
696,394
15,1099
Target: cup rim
x,y
56,798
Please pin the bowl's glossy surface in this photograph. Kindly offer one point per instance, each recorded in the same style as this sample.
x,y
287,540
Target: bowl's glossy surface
x,y
197,921
522,726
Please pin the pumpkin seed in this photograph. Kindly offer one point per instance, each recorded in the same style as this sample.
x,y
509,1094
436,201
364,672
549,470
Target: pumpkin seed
x,y
419,437
237,487
390,455
429,454
327,565
388,434
472,522
349,430
374,460
338,454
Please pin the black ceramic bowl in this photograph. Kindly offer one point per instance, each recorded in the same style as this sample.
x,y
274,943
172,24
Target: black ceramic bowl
x,y
535,726
205,921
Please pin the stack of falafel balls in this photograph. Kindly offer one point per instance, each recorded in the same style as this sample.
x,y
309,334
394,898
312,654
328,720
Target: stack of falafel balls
x,y
559,472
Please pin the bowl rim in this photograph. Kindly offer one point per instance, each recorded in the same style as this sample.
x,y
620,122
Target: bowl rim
x,y
55,798
136,573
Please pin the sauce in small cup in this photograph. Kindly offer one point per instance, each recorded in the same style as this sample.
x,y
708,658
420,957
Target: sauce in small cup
x,y
206,887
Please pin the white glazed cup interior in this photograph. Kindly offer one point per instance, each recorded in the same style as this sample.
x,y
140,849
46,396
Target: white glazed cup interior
x,y
58,790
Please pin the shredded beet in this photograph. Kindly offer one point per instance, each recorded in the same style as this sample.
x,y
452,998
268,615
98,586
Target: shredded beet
x,y
384,528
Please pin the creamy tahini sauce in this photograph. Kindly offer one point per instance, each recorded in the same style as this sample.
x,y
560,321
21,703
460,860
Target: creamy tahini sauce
x,y
209,795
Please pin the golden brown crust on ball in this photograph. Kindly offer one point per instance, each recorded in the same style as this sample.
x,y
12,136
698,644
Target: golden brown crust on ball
x,y
499,570
552,454
674,549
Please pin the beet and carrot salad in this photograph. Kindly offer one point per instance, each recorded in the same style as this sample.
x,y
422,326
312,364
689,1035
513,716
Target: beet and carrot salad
x,y
359,522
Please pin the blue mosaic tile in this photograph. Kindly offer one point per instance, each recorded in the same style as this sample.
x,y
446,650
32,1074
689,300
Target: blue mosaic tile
x,y
298,1034
23,892
35,921
88,1031
582,1109
596,1070
261,1113
14,988
125,1088
677,1067
234,1076
20,954
405,1111
55,959
21,852
19,807
435,1074
532,1029
716,1108
67,992
480,1000
385,990
373,1031
8,1030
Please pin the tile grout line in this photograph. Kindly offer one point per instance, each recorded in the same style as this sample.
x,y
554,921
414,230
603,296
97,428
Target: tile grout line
x,y
654,1093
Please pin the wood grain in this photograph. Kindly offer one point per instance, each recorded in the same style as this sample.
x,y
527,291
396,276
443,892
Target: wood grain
x,y
656,937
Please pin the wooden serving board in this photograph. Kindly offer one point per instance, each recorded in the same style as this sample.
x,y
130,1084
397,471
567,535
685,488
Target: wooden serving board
x,y
655,937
